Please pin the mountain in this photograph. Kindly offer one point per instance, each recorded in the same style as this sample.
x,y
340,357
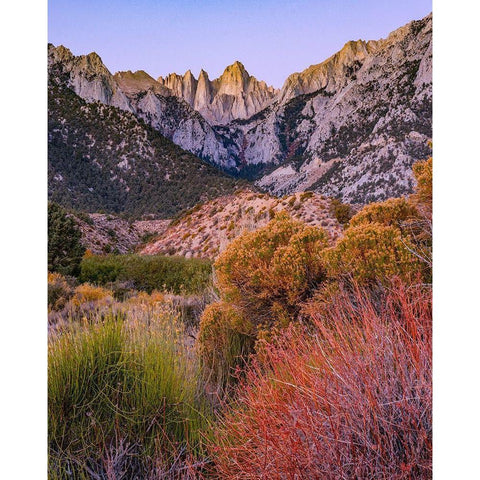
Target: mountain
x,y
138,93
349,127
103,158
235,94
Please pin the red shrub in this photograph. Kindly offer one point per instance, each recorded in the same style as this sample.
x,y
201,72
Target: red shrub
x,y
352,400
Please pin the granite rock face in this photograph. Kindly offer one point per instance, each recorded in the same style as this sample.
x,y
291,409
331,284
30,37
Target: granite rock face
x,y
140,94
349,127
235,94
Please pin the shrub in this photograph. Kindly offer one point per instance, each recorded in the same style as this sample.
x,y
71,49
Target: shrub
x,y
64,246
148,272
87,293
119,384
422,198
423,172
341,211
372,253
266,273
60,290
306,195
395,212
225,340
350,399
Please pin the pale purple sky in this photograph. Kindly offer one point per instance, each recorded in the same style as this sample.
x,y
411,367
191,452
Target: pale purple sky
x,y
272,38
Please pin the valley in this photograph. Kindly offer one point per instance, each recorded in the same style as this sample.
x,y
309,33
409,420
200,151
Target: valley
x,y
240,275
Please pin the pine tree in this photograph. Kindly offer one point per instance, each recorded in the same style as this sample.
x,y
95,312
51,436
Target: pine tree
x,y
64,248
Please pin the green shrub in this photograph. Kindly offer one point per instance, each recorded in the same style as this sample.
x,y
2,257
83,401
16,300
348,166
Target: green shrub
x,y
341,211
225,340
118,382
148,272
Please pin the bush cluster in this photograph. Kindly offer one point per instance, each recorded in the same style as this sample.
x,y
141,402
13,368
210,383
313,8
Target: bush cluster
x,y
265,276
148,272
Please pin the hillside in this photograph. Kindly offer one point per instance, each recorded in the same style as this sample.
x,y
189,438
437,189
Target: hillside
x,y
207,229
104,159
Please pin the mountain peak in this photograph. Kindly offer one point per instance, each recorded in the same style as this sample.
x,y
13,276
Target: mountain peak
x,y
236,65
236,68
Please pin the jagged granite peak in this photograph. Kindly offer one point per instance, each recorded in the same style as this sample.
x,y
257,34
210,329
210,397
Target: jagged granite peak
x,y
147,98
235,94
234,80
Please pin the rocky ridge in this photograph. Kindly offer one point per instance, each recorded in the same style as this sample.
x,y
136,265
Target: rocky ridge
x,y
356,122
140,94
102,158
234,95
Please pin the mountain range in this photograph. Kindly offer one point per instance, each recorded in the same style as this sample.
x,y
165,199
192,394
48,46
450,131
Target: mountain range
x,y
349,127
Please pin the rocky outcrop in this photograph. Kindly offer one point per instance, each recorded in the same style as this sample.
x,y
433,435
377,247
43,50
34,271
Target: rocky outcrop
x,y
102,233
235,94
330,75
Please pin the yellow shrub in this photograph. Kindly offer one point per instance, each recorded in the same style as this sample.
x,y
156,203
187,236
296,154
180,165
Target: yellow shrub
x,y
396,212
423,172
89,293
143,298
272,269
372,252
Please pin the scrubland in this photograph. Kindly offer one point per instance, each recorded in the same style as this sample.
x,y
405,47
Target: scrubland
x,y
295,355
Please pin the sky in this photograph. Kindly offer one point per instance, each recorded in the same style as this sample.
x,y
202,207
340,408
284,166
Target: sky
x,y
272,38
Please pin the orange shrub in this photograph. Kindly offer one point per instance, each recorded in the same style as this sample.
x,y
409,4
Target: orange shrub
x,y
352,399
372,253
269,271
86,293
